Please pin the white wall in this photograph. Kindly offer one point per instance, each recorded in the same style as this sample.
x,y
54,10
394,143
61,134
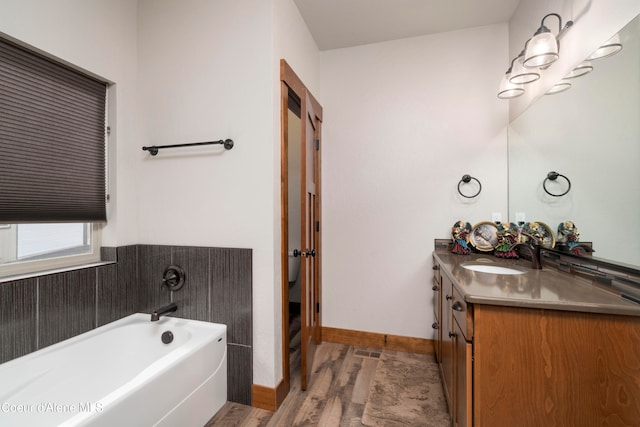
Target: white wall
x,y
209,70
206,74
294,43
404,121
98,37
594,21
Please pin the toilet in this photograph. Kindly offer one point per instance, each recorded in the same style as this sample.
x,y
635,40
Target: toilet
x,y
294,268
294,278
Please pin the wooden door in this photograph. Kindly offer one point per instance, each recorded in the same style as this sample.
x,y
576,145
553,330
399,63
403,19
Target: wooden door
x,y
310,113
310,304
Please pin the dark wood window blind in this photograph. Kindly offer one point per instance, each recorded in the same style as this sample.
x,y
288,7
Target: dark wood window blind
x,y
52,140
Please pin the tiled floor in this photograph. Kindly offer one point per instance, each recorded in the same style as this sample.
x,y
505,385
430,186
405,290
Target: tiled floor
x,y
352,387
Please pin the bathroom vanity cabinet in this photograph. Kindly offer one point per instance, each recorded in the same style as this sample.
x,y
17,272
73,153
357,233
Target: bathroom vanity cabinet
x,y
508,362
454,349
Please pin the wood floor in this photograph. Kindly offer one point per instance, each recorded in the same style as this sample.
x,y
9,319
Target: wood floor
x,y
337,395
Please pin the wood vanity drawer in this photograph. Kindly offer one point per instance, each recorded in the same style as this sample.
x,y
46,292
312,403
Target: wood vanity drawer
x,y
461,314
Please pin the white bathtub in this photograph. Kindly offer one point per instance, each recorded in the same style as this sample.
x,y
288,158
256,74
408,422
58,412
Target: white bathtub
x,y
120,374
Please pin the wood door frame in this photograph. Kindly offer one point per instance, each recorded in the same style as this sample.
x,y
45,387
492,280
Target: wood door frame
x,y
291,83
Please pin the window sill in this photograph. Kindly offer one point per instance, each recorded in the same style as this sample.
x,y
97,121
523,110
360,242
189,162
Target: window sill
x,y
36,274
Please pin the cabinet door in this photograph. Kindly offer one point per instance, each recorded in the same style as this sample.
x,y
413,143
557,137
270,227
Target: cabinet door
x,y
447,349
537,367
463,373
437,311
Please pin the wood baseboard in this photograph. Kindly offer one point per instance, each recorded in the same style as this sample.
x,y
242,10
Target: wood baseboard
x,y
376,340
269,398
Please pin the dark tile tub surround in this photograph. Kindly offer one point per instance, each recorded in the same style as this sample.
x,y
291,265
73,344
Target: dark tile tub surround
x,y
76,292
18,318
217,289
117,286
41,311
152,260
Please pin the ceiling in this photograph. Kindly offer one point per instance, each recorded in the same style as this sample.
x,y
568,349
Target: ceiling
x,y
344,23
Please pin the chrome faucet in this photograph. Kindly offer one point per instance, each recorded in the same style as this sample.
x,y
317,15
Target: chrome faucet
x,y
533,246
163,311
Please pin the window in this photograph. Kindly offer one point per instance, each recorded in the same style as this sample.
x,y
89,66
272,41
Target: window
x,y
52,163
26,248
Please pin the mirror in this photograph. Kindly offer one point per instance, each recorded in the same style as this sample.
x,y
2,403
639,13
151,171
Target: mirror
x,y
590,134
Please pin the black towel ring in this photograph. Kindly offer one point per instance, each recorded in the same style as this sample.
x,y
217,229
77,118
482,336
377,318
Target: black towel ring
x,y
466,179
552,176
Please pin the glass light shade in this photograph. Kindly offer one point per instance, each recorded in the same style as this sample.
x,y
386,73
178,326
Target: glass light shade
x,y
611,47
522,75
542,50
561,86
583,68
509,90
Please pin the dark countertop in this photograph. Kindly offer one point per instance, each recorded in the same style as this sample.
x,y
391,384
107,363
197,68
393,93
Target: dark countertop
x,y
544,289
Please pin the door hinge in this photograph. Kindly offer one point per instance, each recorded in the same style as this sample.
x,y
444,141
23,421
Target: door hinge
x,y
317,144
317,226
108,130
317,307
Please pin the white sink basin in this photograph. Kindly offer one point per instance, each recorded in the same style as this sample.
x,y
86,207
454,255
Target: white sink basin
x,y
493,269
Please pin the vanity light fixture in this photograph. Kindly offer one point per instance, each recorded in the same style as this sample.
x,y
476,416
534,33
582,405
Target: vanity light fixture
x,y
561,86
611,47
583,68
520,74
541,50
507,89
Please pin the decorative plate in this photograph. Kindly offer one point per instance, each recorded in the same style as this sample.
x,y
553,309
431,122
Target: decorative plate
x,y
548,236
484,236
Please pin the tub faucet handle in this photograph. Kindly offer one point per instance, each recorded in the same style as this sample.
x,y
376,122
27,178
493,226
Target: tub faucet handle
x,y
173,278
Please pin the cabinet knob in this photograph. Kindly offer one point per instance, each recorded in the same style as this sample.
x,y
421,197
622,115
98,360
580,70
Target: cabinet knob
x,y
448,297
434,288
457,306
435,325
452,334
